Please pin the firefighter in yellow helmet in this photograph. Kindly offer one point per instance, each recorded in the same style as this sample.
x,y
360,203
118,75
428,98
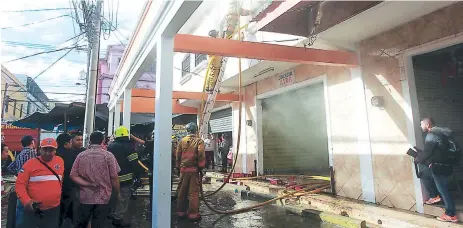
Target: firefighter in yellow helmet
x,y
123,149
190,159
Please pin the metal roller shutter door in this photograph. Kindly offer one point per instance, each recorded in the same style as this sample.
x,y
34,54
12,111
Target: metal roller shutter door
x,y
443,103
294,132
221,121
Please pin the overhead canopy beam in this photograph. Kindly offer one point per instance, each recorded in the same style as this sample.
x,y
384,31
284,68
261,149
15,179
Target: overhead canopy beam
x,y
144,93
272,52
148,105
280,10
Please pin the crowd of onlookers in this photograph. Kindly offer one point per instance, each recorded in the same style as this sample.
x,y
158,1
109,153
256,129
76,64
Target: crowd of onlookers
x,y
64,184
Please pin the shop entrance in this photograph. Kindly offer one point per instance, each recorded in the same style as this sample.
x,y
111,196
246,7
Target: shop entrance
x,y
439,82
294,132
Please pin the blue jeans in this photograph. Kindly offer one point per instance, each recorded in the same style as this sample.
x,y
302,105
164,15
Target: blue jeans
x,y
19,213
443,188
428,180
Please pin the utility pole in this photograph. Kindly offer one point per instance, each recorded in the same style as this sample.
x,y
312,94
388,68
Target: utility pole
x,y
93,73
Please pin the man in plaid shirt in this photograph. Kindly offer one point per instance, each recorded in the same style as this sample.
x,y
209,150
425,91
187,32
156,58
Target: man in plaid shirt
x,y
27,153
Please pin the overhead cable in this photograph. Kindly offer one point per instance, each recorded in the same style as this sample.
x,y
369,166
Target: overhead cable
x,y
44,52
36,22
54,63
34,10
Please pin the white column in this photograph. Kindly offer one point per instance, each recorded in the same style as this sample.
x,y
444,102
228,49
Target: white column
x,y
363,136
117,115
163,130
413,122
127,108
110,129
260,140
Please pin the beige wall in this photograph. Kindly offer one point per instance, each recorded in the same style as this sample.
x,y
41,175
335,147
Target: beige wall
x,y
383,73
383,76
342,111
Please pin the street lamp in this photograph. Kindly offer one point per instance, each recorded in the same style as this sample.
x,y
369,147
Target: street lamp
x,y
82,75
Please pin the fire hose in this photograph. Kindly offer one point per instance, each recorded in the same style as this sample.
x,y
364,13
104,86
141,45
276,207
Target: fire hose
x,y
265,176
301,192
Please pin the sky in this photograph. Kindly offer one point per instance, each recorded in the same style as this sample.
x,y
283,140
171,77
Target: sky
x,y
49,35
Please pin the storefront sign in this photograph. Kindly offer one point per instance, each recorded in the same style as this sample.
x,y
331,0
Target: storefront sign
x,y
287,78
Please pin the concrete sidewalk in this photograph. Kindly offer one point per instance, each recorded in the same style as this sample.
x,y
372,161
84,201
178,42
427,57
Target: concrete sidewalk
x,y
371,213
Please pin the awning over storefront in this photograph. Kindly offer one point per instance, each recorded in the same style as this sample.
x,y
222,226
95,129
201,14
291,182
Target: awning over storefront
x,y
303,14
143,124
74,113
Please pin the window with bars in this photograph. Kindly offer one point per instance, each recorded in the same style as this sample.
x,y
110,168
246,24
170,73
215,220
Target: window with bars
x,y
199,58
186,65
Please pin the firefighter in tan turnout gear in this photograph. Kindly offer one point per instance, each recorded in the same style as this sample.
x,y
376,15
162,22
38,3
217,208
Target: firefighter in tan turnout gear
x,y
190,159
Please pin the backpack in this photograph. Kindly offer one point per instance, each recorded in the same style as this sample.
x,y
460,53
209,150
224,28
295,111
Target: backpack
x,y
453,152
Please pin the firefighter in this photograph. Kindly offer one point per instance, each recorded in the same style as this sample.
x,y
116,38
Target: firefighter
x,y
190,160
127,158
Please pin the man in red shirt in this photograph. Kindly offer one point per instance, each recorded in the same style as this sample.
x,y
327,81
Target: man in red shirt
x,y
38,187
96,172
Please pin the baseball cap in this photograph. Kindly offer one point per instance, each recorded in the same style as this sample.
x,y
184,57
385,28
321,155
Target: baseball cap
x,y
49,142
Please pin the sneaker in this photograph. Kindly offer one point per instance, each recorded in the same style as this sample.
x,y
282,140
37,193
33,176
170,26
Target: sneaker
x,y
121,223
446,218
197,219
434,200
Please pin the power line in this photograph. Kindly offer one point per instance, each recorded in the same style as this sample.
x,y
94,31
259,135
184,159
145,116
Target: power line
x,y
53,63
37,22
62,93
49,101
35,10
44,52
45,57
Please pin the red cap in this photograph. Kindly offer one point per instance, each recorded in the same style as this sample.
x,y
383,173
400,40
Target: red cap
x,y
49,142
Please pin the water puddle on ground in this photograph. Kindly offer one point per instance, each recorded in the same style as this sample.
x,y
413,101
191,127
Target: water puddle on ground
x,y
267,216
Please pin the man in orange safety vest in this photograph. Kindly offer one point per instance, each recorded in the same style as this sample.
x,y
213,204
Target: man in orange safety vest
x,y
38,187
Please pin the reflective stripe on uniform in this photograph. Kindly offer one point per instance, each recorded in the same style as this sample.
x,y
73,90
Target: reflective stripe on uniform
x,y
132,157
44,178
188,169
126,177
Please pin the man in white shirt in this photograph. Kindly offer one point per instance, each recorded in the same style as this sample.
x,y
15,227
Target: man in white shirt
x,y
209,148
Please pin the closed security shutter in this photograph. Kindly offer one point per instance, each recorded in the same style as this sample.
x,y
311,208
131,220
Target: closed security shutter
x,y
443,103
221,121
294,132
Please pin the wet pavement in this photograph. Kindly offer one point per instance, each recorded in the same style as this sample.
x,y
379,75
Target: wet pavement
x,y
268,216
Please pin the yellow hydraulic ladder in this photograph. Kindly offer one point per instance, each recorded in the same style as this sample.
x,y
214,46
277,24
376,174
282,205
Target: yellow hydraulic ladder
x,y
217,64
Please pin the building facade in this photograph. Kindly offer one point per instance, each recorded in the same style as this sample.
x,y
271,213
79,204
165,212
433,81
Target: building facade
x,y
353,122
359,121
107,69
14,105
37,100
